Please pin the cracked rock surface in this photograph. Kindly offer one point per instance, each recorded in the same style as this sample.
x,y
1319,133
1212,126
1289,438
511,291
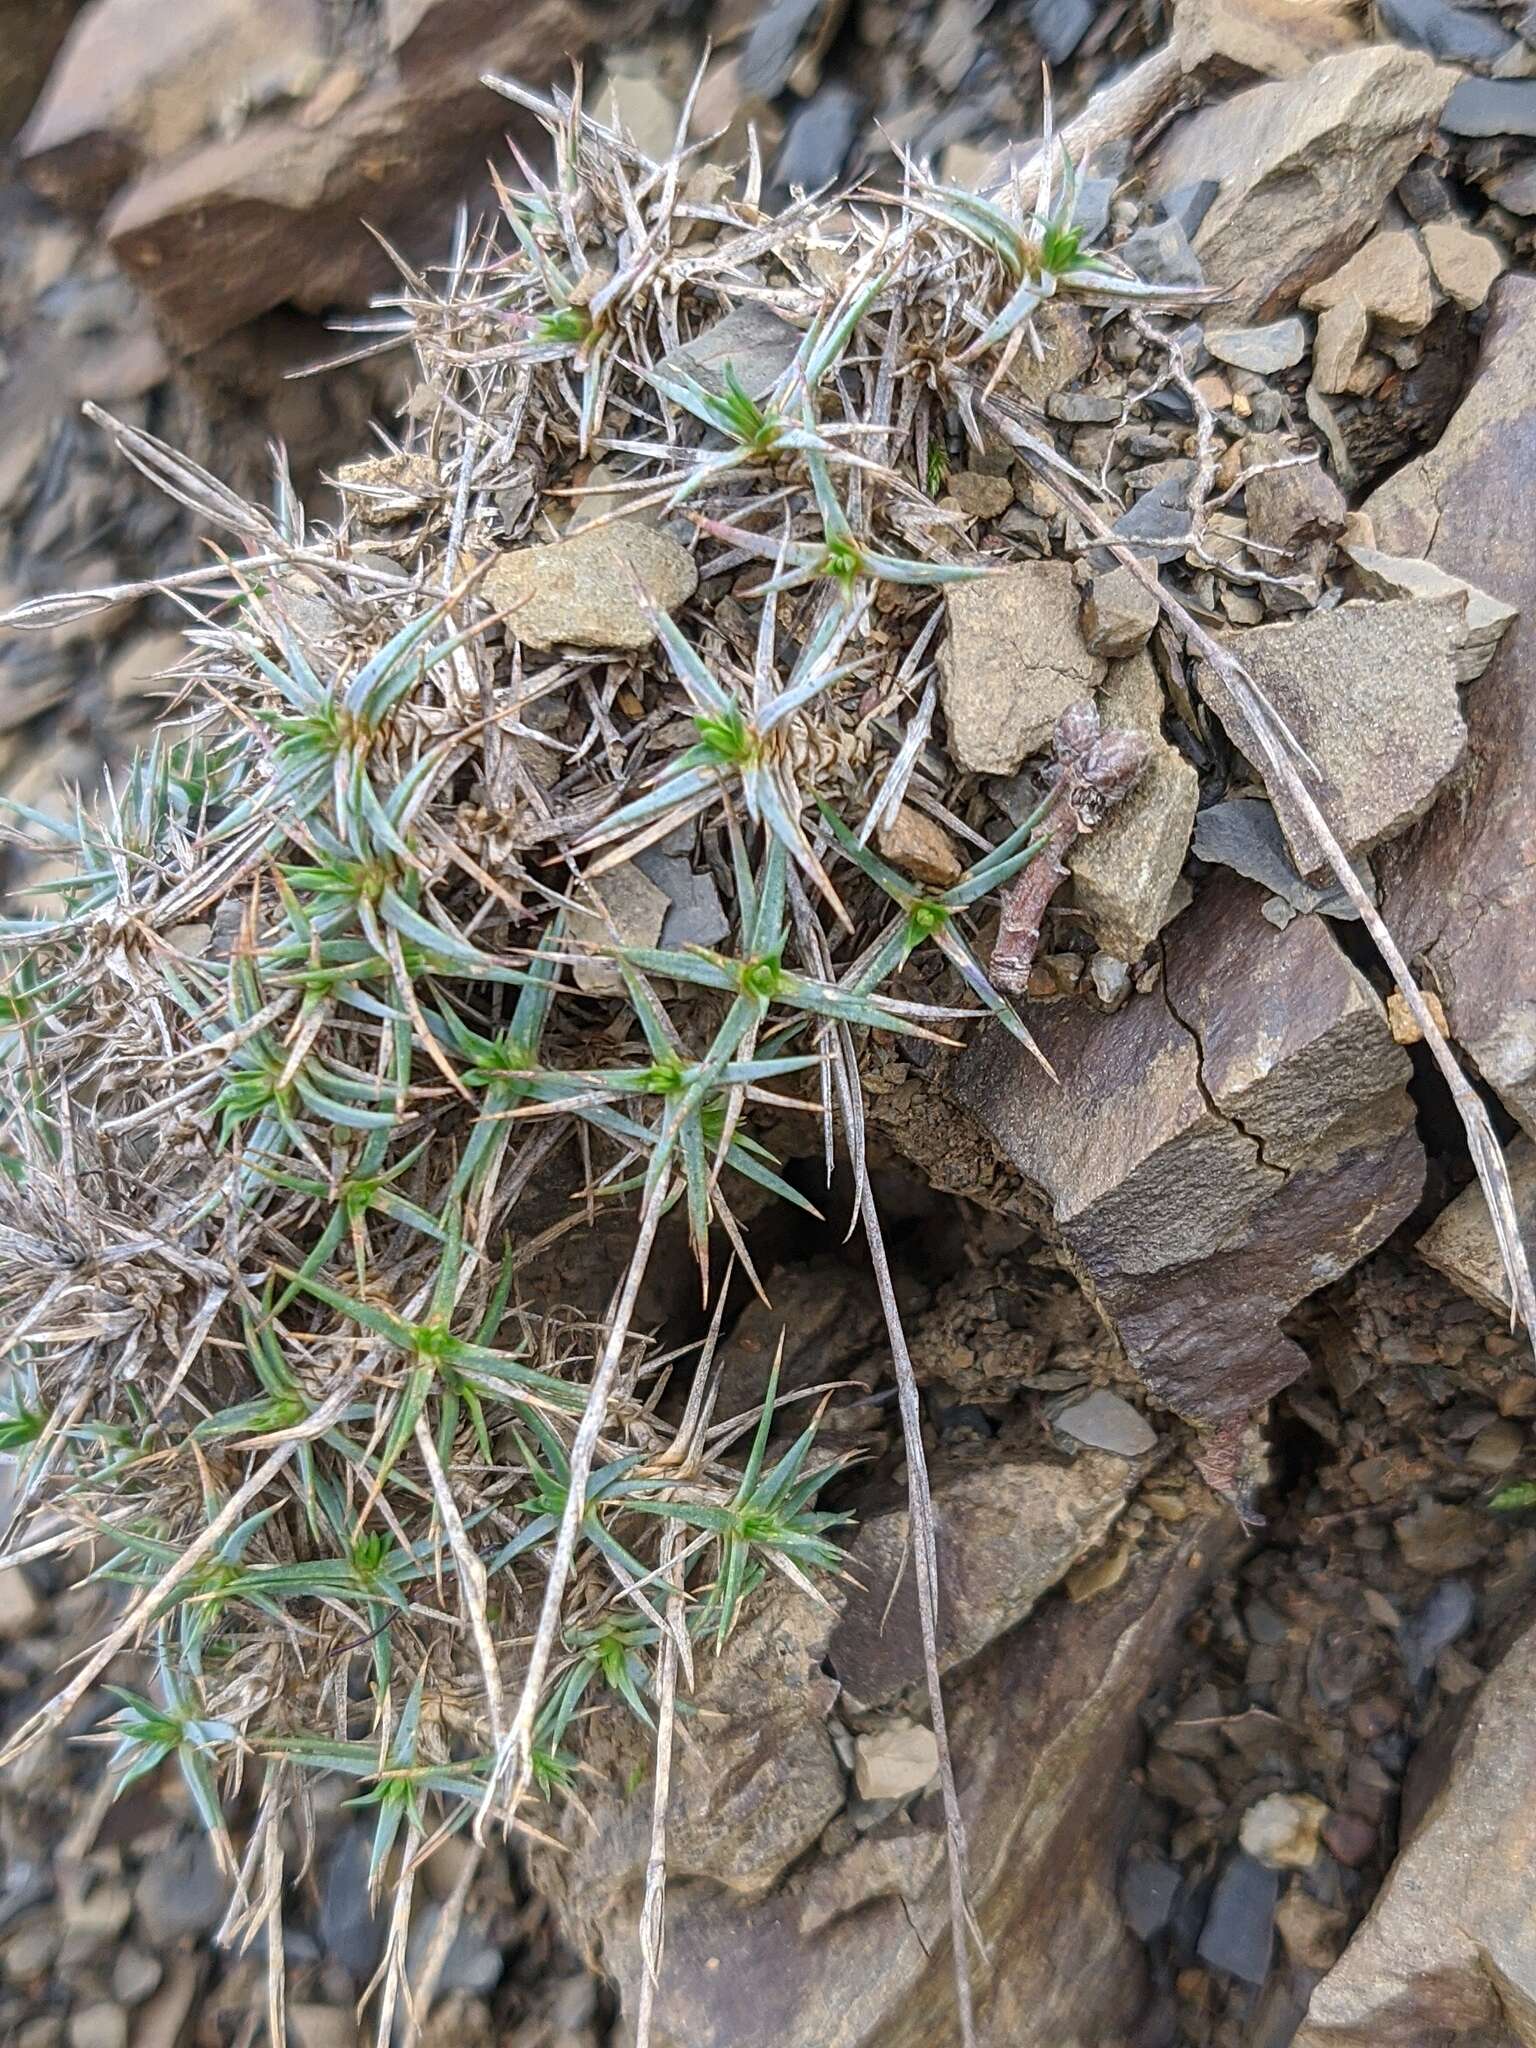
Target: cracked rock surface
x,y
1212,1156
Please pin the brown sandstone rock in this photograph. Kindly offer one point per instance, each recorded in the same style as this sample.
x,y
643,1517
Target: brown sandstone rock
x,y
1448,1951
1388,276
1007,1532
1260,38
1216,1149
217,228
32,33
1460,890
587,591
1305,166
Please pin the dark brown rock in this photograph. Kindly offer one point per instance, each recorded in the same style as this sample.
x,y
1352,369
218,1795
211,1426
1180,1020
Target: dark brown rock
x,y
1460,891
137,82
1448,1951
859,1958
1215,1150
273,215
30,34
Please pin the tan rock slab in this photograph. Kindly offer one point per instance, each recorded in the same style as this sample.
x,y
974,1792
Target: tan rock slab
x,y
1461,1240
1466,265
1388,276
1013,660
1125,872
590,589
633,913
893,1763
1370,692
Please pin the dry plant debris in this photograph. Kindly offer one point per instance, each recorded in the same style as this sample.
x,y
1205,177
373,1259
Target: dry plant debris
x,y
345,1015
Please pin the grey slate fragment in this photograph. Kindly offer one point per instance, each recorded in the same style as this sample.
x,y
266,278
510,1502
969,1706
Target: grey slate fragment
x,y
818,139
1160,253
1104,1422
1189,204
1279,345
1491,106
1060,25
1514,189
1156,526
1244,834
756,344
1090,210
1449,32
1148,1889
773,45
1239,1932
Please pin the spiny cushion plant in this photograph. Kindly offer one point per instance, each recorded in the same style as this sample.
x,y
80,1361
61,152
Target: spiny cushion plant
x,y
312,1090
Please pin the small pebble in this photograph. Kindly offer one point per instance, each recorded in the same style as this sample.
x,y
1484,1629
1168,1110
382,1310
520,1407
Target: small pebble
x,y
98,2026
1281,1831
1496,1448
1349,1838
1149,1886
895,1762
1103,1422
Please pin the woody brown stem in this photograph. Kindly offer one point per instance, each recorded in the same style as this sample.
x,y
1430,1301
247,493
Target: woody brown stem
x,y
1095,770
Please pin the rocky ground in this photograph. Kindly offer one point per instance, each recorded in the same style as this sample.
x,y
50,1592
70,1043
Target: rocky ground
x,y
1241,1780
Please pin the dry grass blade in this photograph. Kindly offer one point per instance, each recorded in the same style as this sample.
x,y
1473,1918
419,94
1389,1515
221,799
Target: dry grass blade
x,y
925,1571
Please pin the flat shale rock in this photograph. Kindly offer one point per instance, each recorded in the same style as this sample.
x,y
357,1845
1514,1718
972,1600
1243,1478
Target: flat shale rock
x,y
1459,891
235,223
1215,1150
137,81
1461,1240
1448,1951
754,344
1007,1533
1014,659
1124,873
1370,691
586,591
852,1951
1487,619
1465,265
1388,276
1305,166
